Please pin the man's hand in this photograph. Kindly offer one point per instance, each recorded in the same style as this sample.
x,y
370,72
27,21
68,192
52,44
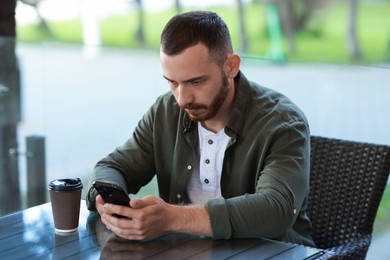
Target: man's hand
x,y
151,217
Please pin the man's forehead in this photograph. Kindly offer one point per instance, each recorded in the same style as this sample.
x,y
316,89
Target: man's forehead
x,y
199,51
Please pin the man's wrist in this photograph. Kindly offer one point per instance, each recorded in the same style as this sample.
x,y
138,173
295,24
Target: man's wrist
x,y
193,219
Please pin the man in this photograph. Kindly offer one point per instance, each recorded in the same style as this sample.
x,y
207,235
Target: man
x,y
231,157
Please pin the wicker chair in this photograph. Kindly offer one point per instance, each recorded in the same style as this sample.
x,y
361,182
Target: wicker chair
x,y
346,186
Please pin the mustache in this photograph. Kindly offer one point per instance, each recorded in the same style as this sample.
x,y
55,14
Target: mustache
x,y
193,106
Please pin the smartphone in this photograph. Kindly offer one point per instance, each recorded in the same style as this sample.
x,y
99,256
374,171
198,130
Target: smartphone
x,y
112,193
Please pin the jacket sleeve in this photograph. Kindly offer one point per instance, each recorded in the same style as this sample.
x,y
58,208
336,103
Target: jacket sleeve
x,y
280,191
131,165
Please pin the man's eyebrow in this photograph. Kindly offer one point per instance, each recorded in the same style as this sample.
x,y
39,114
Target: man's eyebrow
x,y
165,77
198,78
188,80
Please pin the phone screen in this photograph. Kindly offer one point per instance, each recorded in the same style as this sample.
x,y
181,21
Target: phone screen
x,y
112,193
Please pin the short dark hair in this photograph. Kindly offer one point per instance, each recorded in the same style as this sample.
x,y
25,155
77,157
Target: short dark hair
x,y
188,29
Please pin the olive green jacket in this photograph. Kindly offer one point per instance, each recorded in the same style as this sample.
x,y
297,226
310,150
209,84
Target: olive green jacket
x,y
265,175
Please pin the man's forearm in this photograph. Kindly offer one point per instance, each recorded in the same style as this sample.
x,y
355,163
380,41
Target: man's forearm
x,y
193,219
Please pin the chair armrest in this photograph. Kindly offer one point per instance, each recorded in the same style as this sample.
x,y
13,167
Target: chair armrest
x,y
356,249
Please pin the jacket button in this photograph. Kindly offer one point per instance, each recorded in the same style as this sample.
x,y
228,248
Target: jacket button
x,y
189,167
178,196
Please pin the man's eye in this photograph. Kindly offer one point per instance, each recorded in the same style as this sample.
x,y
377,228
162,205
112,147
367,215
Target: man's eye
x,y
196,82
172,84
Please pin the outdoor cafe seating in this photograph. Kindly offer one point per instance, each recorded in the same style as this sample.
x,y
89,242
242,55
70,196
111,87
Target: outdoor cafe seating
x,y
346,186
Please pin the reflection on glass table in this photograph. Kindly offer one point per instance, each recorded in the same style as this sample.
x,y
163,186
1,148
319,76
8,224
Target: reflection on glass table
x,y
30,234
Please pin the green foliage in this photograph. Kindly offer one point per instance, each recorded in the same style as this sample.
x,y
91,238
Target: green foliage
x,y
31,33
382,221
118,31
67,31
324,40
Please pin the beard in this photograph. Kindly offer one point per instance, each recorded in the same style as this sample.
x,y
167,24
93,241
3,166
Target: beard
x,y
215,105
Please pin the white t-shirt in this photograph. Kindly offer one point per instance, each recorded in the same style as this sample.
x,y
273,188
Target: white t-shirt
x,y
205,182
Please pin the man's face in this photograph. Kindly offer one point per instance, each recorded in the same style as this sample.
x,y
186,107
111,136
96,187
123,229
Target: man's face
x,y
199,85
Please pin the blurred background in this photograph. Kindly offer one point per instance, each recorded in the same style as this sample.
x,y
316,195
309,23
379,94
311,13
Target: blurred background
x,y
77,75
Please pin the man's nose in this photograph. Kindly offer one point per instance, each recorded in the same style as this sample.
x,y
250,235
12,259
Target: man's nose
x,y
183,96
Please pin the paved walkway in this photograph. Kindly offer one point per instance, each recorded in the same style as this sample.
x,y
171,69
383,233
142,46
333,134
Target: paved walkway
x,y
88,101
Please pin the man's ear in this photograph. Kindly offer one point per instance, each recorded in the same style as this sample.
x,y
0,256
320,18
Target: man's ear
x,y
232,65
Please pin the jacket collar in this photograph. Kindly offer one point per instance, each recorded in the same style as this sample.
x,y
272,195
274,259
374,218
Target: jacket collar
x,y
241,101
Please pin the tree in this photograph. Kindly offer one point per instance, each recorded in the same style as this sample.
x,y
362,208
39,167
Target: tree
x,y
42,22
352,41
294,15
286,17
140,33
243,34
178,6
303,11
